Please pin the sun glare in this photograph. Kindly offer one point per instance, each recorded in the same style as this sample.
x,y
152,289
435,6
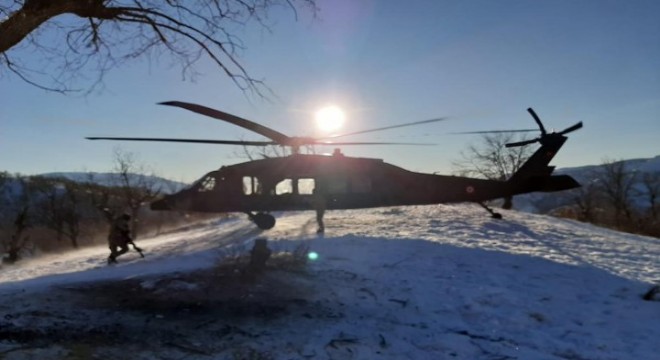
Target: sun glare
x,y
330,118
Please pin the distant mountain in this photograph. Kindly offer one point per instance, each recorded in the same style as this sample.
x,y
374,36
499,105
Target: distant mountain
x,y
640,166
110,179
545,202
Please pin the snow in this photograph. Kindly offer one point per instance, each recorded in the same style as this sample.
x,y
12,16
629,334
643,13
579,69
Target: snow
x,y
422,282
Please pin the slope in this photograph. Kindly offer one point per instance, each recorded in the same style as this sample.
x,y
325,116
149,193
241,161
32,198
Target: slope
x,y
429,282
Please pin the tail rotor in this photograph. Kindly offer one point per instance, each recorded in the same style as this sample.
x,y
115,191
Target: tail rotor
x,y
545,136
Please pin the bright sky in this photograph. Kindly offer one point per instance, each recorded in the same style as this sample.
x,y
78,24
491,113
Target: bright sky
x,y
482,63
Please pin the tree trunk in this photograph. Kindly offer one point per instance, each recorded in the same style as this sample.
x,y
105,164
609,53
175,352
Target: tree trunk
x,y
21,23
36,12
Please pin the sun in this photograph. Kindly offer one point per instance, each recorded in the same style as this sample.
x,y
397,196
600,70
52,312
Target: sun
x,y
330,118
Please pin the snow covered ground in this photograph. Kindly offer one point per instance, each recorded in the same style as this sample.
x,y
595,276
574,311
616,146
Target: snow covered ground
x,y
427,282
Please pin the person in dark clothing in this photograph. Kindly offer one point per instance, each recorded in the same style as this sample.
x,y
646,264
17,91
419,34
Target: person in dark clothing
x,y
119,238
319,204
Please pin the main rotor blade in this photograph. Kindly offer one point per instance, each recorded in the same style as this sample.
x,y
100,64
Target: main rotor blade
x,y
343,143
521,143
571,128
197,141
276,136
493,131
386,127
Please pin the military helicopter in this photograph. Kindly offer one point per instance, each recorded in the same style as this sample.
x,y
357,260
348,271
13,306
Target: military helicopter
x,y
260,187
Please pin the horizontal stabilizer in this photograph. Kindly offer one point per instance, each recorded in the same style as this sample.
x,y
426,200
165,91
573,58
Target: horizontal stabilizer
x,y
550,183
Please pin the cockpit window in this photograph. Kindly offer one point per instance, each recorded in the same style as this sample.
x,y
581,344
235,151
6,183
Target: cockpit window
x,y
207,184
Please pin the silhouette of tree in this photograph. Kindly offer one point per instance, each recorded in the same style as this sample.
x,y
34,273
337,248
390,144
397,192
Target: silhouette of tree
x,y
15,216
491,159
588,199
99,35
617,187
137,186
59,207
651,186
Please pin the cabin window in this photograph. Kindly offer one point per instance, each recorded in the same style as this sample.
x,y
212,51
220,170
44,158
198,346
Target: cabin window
x,y
251,185
284,187
306,186
361,184
207,184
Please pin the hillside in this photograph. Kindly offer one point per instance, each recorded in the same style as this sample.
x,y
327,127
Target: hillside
x,y
428,282
546,202
650,165
110,179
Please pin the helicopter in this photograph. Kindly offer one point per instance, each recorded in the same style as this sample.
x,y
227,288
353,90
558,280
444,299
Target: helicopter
x,y
290,183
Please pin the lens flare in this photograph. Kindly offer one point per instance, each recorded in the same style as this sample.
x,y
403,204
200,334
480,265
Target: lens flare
x,y
330,118
312,255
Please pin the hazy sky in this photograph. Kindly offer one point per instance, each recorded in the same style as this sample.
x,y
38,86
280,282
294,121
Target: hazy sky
x,y
481,63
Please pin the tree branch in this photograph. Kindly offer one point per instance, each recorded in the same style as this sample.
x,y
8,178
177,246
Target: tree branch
x,y
186,30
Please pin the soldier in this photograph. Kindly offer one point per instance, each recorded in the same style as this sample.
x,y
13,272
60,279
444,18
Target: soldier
x,y
319,204
120,237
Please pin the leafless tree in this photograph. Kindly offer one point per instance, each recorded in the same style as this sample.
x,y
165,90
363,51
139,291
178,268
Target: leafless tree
x,y
72,36
616,183
136,183
651,186
491,159
18,240
15,216
587,198
261,152
265,152
60,207
103,198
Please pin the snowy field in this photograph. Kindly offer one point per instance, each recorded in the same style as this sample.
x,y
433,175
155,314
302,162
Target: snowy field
x,y
427,282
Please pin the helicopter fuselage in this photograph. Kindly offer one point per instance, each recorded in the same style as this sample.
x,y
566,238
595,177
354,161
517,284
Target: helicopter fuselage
x,y
288,183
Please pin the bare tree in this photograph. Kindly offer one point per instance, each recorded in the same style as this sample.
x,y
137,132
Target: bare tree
x,y
137,185
616,183
651,186
18,240
105,199
15,216
270,151
99,35
491,159
60,207
587,198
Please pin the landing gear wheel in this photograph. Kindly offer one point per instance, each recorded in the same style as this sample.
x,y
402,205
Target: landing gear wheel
x,y
263,221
